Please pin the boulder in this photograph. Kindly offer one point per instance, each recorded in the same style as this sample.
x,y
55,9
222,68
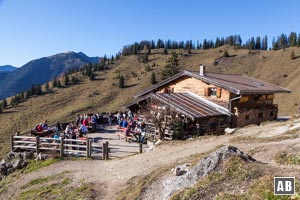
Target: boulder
x,y
8,165
10,155
27,155
203,168
17,163
24,163
3,170
10,170
181,169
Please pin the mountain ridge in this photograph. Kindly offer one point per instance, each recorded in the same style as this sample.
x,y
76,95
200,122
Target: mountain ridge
x,y
7,68
41,70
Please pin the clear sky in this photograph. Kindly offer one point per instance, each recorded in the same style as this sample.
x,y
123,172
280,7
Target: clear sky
x,y
30,29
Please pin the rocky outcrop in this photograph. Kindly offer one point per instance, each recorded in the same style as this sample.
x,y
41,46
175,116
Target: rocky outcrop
x,y
204,167
14,161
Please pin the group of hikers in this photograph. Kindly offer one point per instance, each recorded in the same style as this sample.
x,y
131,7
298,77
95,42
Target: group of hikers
x,y
132,125
128,122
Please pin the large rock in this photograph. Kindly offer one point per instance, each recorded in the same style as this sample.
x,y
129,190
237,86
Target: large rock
x,y
24,163
27,155
3,170
17,163
204,167
10,170
8,165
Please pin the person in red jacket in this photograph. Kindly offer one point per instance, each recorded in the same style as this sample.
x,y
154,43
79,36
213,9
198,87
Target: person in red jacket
x,y
39,128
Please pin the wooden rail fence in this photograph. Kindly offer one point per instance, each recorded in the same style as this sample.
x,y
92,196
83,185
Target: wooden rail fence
x,y
61,145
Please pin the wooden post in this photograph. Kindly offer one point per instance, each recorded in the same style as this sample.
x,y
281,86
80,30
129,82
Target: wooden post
x,y
140,147
61,146
37,144
12,142
107,150
104,151
88,148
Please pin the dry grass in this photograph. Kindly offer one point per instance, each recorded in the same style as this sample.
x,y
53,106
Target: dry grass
x,y
104,95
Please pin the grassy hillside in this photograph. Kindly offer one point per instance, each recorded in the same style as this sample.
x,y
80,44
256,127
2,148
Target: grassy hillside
x,y
103,93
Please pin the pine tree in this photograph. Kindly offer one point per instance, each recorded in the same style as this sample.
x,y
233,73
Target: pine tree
x,y
38,90
4,103
258,43
92,76
265,43
66,80
153,78
1,108
121,82
165,51
293,55
54,83
225,54
172,67
33,89
59,84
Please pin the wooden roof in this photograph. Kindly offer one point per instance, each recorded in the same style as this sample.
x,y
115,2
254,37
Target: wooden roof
x,y
235,83
189,104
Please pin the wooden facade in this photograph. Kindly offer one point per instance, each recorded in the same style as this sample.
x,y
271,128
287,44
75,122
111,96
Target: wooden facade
x,y
249,100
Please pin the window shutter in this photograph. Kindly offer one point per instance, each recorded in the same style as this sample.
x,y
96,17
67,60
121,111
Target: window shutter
x,y
218,92
206,90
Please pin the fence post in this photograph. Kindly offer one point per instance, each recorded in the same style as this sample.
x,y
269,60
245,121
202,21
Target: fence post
x,y
61,146
90,141
107,150
104,151
12,142
37,144
87,148
141,147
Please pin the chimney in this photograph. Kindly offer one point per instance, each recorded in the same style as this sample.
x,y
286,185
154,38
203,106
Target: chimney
x,y
202,70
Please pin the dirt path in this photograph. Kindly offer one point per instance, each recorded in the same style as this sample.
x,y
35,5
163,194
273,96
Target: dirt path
x,y
112,175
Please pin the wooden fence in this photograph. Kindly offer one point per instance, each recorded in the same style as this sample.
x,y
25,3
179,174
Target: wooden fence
x,y
61,145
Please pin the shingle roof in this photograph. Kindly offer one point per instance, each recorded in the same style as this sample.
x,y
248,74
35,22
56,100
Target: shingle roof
x,y
235,83
189,104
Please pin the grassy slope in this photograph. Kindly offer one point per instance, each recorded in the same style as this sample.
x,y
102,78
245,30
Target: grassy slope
x,y
101,95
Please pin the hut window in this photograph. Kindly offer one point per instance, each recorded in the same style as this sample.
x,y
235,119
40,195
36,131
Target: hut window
x,y
271,113
247,117
260,115
212,91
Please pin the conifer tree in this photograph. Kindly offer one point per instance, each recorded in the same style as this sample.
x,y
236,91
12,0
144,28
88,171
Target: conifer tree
x,y
1,108
153,78
293,55
58,84
4,103
66,80
226,54
54,83
92,76
121,81
258,43
172,67
165,51
39,89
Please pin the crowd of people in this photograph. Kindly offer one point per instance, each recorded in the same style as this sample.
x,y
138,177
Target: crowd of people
x,y
129,122
132,125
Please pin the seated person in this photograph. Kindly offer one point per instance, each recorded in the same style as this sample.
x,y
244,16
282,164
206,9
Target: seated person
x,y
127,131
124,123
83,129
58,127
45,125
68,131
39,128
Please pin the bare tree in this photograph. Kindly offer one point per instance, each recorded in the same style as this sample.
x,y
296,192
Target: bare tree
x,y
158,114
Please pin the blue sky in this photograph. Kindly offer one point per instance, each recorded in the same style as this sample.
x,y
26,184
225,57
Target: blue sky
x,y
31,29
